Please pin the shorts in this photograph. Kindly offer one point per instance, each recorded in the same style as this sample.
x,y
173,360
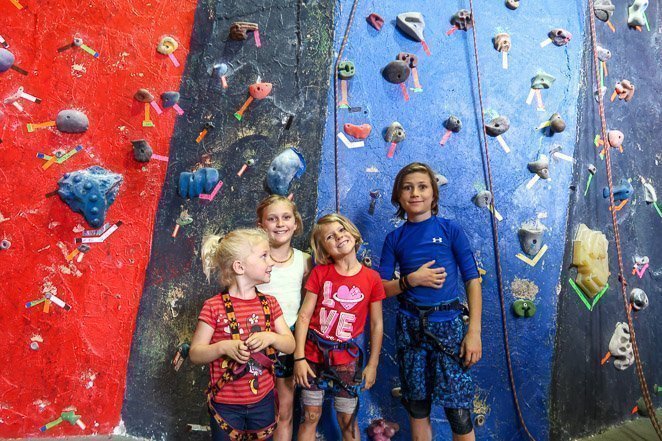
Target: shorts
x,y
284,367
346,373
426,373
254,416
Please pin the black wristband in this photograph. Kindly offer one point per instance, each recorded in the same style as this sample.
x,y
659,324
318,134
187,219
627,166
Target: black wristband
x,y
299,359
405,282
401,282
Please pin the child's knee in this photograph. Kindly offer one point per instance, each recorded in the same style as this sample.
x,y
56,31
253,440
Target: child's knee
x,y
311,414
345,407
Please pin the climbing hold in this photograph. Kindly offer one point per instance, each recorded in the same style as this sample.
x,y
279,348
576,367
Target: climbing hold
x,y
599,93
592,169
502,42
358,132
498,126
483,199
559,36
5,244
382,430
620,346
453,124
462,20
260,91
396,72
441,179
590,257
285,168
524,308
411,24
395,133
540,167
530,237
374,197
615,138
622,191
169,99
90,192
603,9
649,193
603,54
239,30
479,420
72,121
542,80
512,4
638,299
143,96
636,13
218,70
624,90
346,70
167,45
375,20
193,184
142,151
6,60
410,59
556,123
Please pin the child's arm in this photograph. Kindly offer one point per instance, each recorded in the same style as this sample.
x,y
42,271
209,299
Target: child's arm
x,y
281,340
202,352
423,276
301,367
307,267
472,347
376,337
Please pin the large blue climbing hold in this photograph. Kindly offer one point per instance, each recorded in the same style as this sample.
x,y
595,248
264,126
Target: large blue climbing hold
x,y
622,191
285,168
6,60
90,192
203,180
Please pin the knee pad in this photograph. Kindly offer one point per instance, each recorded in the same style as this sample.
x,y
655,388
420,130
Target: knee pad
x,y
417,409
312,397
459,420
345,405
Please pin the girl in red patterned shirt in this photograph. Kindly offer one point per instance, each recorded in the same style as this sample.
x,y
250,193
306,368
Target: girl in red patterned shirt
x,y
238,334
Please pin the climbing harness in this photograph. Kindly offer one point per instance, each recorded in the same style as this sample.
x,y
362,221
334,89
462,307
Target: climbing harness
x,y
234,371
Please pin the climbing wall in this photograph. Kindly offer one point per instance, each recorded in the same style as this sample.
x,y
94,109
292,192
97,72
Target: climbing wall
x,y
601,394
448,79
294,56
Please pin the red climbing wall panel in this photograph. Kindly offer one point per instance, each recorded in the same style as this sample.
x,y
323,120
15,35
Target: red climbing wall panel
x,y
82,353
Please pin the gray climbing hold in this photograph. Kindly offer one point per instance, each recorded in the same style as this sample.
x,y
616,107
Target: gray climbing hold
x,y
483,199
498,126
6,60
285,168
170,98
410,59
636,12
559,36
638,299
530,237
441,179
142,151
599,93
462,20
540,167
502,42
90,192
72,121
603,54
411,24
218,70
650,196
512,4
603,9
193,184
5,244
620,346
542,80
453,124
396,72
143,96
395,133
557,125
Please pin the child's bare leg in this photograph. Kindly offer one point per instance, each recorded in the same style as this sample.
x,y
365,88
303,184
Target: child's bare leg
x,y
421,429
307,428
471,436
349,429
285,387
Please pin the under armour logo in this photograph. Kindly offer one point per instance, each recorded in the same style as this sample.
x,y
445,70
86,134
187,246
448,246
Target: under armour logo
x,y
436,240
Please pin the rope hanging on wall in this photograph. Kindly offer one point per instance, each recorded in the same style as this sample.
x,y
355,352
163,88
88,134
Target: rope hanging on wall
x,y
617,237
495,234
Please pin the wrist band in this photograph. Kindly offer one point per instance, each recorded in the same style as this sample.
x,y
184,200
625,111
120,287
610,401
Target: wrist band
x,y
405,282
401,282
299,359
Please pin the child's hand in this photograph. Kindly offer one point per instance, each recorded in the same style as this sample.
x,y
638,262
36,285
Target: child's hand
x,y
236,350
426,276
472,349
301,372
369,376
260,340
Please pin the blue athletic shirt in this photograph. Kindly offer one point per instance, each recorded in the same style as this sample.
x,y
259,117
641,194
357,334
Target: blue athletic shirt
x,y
415,243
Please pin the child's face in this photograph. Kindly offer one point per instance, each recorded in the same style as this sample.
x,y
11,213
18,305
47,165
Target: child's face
x,y
416,195
279,222
336,240
258,263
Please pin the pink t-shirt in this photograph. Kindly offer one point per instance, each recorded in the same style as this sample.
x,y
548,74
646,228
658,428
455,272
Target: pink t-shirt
x,y
342,307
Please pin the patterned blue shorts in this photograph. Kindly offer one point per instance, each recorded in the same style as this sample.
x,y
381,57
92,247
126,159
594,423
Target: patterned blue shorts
x,y
426,373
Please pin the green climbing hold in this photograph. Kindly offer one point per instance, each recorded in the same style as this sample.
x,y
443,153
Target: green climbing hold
x,y
524,308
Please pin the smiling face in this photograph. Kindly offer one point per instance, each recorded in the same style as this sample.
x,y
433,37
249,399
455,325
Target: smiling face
x,y
337,241
257,264
279,222
417,196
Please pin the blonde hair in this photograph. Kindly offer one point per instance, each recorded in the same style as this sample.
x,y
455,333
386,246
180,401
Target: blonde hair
x,y
317,241
275,198
219,252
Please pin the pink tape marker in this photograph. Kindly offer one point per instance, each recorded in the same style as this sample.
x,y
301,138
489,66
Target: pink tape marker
x,y
160,158
173,59
256,34
391,150
445,137
178,109
156,107
224,81
210,197
452,30
405,94
426,48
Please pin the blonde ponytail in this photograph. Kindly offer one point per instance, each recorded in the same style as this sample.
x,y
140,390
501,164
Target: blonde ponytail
x,y
218,253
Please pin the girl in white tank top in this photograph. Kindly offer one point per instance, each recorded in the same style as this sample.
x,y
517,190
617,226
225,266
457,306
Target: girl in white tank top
x,y
278,216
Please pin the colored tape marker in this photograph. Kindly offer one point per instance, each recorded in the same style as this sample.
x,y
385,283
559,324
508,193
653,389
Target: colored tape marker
x,y
212,195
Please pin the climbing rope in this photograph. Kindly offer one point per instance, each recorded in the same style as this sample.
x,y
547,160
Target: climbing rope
x,y
617,237
495,234
335,100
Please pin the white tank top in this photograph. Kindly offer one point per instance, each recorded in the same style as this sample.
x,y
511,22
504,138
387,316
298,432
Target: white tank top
x,y
285,286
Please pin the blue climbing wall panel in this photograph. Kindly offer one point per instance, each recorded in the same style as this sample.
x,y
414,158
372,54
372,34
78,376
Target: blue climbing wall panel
x,y
449,83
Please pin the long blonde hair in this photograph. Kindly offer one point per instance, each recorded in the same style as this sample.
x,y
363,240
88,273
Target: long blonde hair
x,y
219,252
274,198
317,241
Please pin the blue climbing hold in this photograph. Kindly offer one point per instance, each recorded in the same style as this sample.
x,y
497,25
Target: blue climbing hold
x,y
6,60
170,98
622,191
192,185
90,192
286,167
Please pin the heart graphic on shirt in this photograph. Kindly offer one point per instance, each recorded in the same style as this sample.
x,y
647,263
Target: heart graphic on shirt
x,y
348,297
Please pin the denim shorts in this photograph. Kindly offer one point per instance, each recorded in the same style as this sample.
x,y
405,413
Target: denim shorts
x,y
254,416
